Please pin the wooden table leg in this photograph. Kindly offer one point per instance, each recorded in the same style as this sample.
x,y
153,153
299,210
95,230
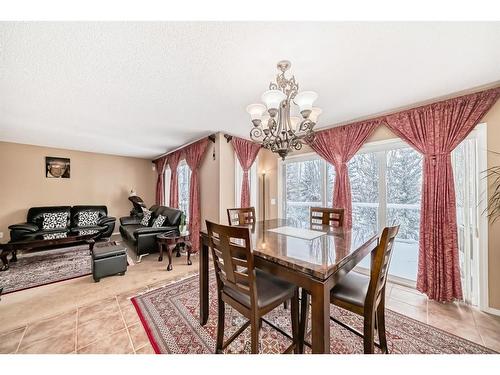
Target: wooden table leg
x,y
320,318
304,319
170,248
160,250
14,256
204,303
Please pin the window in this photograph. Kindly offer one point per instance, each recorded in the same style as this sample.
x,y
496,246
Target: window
x,y
305,185
385,182
166,192
183,178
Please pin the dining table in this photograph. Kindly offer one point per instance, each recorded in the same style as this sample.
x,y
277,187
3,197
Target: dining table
x,y
313,257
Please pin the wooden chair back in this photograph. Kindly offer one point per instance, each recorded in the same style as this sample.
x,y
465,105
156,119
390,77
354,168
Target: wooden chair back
x,y
381,259
233,258
241,216
327,216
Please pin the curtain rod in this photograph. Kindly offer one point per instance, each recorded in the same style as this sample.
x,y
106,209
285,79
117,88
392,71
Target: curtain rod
x,y
211,137
229,137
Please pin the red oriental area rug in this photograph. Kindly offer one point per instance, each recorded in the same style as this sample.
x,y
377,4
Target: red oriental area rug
x,y
170,317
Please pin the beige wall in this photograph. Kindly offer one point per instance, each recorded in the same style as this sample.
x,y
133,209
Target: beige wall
x,y
227,178
95,179
217,181
492,120
269,162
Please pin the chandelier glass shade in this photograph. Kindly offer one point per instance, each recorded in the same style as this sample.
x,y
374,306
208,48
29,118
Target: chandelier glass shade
x,y
274,125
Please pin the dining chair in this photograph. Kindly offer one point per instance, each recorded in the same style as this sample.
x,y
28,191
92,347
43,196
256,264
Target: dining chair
x,y
241,216
250,291
327,216
363,295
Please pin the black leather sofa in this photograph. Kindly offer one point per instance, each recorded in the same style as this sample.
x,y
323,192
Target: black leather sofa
x,y
33,227
143,238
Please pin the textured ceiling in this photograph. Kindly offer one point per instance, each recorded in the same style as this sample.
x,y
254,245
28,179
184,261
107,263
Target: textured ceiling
x,y
140,89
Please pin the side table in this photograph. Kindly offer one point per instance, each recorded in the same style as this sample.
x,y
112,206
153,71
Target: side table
x,y
170,242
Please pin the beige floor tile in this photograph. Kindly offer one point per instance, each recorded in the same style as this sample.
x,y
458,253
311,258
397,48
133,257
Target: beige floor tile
x,y
98,310
124,298
9,341
458,312
60,344
147,349
97,329
491,337
457,327
51,327
417,313
486,320
130,315
117,343
138,335
410,297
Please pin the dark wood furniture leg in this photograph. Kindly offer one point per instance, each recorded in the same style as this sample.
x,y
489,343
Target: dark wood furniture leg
x,y
203,282
178,248
91,244
170,248
14,256
160,250
320,318
304,318
189,255
5,261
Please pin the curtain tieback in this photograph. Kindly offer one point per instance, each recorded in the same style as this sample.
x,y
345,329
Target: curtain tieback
x,y
439,155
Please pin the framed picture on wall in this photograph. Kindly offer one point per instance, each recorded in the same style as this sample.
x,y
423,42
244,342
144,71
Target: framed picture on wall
x,y
57,167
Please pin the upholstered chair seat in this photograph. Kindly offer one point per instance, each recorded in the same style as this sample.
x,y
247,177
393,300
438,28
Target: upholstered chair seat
x,y
351,289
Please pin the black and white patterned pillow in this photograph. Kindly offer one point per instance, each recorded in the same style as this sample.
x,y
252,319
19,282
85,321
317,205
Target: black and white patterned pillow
x,y
88,218
84,232
53,236
146,217
159,221
55,220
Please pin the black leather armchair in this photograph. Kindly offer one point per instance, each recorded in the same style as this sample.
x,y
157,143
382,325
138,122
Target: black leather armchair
x,y
143,238
33,227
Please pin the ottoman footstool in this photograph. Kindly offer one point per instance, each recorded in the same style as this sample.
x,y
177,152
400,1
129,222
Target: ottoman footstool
x,y
108,261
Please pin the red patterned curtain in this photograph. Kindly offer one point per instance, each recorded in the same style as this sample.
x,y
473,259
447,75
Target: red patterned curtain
x,y
160,180
246,151
435,130
194,155
337,146
173,163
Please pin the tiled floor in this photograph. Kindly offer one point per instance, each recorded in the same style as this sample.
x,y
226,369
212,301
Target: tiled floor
x,y
85,317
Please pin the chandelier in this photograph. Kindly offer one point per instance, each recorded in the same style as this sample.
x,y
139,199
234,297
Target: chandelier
x,y
279,130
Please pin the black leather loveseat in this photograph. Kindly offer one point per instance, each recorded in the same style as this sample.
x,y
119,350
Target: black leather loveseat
x,y
75,221
143,238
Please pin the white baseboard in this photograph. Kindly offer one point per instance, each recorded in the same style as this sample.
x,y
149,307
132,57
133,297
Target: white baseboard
x,y
491,310
115,234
